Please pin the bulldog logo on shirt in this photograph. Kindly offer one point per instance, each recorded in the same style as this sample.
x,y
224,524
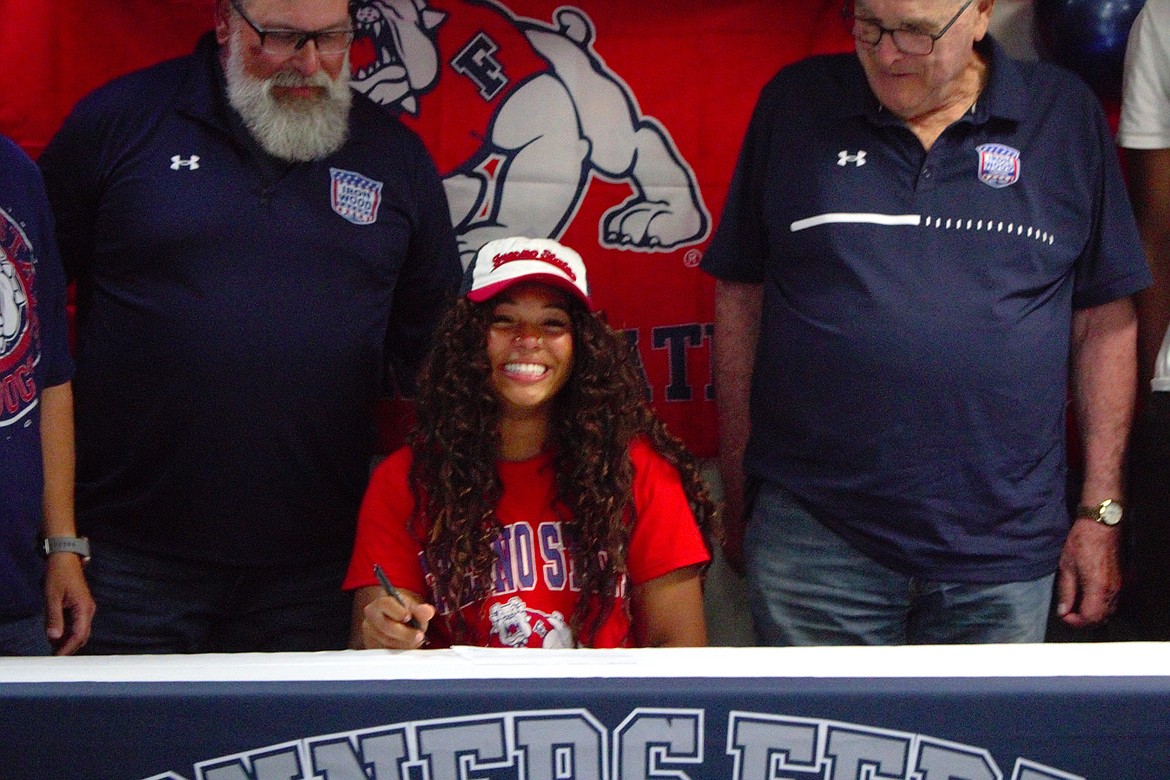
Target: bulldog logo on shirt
x,y
13,305
18,326
515,625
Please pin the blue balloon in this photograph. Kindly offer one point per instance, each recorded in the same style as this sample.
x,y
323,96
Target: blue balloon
x,y
1087,37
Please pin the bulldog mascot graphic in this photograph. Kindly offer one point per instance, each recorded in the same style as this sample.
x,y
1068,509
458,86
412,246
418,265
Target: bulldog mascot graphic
x,y
515,625
519,116
19,329
13,306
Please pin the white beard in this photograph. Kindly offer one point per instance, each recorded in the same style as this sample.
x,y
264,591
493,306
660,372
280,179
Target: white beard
x,y
296,131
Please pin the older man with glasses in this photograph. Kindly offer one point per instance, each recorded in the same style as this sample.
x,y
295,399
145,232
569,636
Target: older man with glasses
x,y
926,247
255,247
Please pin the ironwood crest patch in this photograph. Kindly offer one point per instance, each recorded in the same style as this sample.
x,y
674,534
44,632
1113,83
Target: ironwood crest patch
x,y
999,165
354,197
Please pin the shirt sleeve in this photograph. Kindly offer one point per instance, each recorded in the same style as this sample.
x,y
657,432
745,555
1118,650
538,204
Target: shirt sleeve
x,y
665,536
1145,106
382,533
429,278
1113,263
56,363
739,248
71,165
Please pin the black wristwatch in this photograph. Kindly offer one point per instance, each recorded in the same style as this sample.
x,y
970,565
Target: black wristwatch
x,y
78,545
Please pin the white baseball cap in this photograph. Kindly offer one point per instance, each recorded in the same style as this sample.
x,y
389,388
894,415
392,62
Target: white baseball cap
x,y
504,262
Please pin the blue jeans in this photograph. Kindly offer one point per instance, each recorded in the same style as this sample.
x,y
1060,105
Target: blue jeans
x,y
155,604
807,586
24,636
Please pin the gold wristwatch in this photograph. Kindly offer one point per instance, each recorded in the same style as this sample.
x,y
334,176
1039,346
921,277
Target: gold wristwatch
x,y
1108,512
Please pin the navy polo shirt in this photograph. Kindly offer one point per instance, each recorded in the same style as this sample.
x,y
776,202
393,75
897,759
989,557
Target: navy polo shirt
x,y
235,314
911,373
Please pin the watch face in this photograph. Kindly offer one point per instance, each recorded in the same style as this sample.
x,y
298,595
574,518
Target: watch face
x,y
1110,514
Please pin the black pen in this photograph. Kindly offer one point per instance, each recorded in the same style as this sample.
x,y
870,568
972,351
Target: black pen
x,y
391,591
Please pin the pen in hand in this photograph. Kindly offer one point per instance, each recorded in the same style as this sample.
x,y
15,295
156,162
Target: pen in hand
x,y
391,591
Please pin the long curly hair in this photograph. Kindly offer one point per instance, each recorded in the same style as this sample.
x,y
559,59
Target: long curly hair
x,y
456,441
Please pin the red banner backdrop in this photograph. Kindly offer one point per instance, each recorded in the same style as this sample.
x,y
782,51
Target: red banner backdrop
x,y
611,125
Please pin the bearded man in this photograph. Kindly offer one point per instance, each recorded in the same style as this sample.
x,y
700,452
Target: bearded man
x,y
257,249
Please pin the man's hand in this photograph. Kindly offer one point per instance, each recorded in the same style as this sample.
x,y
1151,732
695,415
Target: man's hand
x,y
69,607
1088,578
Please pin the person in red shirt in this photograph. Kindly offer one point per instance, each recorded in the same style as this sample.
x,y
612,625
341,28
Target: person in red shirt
x,y
539,502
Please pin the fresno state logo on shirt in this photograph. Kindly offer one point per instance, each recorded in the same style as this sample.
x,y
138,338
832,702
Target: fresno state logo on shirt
x,y
515,625
18,325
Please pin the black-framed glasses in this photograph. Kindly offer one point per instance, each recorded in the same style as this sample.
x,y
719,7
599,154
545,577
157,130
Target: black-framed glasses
x,y
907,41
286,43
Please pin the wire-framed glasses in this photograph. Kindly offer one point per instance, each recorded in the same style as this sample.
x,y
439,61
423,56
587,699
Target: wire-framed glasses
x,y
286,43
906,40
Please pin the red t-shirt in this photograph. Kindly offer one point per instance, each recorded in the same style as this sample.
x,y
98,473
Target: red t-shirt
x,y
534,591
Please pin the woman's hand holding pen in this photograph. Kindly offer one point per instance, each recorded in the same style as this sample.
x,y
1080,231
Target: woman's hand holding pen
x,y
387,622
396,620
